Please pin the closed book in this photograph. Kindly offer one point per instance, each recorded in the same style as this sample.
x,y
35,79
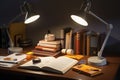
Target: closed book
x,y
49,42
45,53
80,42
49,45
62,38
83,41
68,40
47,48
63,35
87,69
92,43
77,43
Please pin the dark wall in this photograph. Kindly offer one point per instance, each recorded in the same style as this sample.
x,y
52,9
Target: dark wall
x,y
55,16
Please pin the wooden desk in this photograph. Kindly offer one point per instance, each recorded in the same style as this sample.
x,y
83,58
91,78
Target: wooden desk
x,y
109,72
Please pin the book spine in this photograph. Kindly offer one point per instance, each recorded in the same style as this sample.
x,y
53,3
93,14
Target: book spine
x,y
68,40
62,38
88,45
80,41
45,53
77,43
70,46
92,44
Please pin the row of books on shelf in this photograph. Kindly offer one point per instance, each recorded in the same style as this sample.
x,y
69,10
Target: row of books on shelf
x,y
84,41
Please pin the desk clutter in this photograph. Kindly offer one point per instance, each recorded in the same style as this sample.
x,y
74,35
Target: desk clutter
x,y
73,46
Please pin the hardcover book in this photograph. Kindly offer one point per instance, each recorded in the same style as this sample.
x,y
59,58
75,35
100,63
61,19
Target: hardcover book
x,y
58,65
77,43
92,43
87,69
45,53
47,48
49,45
66,35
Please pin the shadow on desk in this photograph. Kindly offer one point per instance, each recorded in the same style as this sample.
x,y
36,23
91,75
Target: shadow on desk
x,y
4,76
17,77
118,74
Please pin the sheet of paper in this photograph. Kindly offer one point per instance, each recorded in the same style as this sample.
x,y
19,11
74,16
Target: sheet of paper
x,y
13,58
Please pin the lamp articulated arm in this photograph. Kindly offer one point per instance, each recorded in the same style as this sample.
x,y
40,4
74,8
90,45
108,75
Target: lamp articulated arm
x,y
109,27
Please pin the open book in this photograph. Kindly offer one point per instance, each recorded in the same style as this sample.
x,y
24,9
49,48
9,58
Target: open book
x,y
57,65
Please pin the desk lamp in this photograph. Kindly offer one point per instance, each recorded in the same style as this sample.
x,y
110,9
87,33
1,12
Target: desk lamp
x,y
31,15
29,18
95,60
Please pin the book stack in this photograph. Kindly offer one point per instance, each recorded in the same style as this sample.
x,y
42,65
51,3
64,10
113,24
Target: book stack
x,y
47,48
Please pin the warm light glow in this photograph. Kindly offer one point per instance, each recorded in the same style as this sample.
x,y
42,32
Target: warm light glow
x,y
32,19
79,20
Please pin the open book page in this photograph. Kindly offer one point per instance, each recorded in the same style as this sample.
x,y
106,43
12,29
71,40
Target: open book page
x,y
61,64
44,62
13,58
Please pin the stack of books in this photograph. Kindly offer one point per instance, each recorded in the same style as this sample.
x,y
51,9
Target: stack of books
x,y
47,48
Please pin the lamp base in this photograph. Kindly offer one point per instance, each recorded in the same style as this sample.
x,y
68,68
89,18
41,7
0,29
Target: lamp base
x,y
95,60
14,50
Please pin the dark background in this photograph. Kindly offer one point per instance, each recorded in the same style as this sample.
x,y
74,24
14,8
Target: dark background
x,y
54,15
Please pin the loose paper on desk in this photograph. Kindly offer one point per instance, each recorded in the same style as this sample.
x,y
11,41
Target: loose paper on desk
x,y
13,58
5,64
